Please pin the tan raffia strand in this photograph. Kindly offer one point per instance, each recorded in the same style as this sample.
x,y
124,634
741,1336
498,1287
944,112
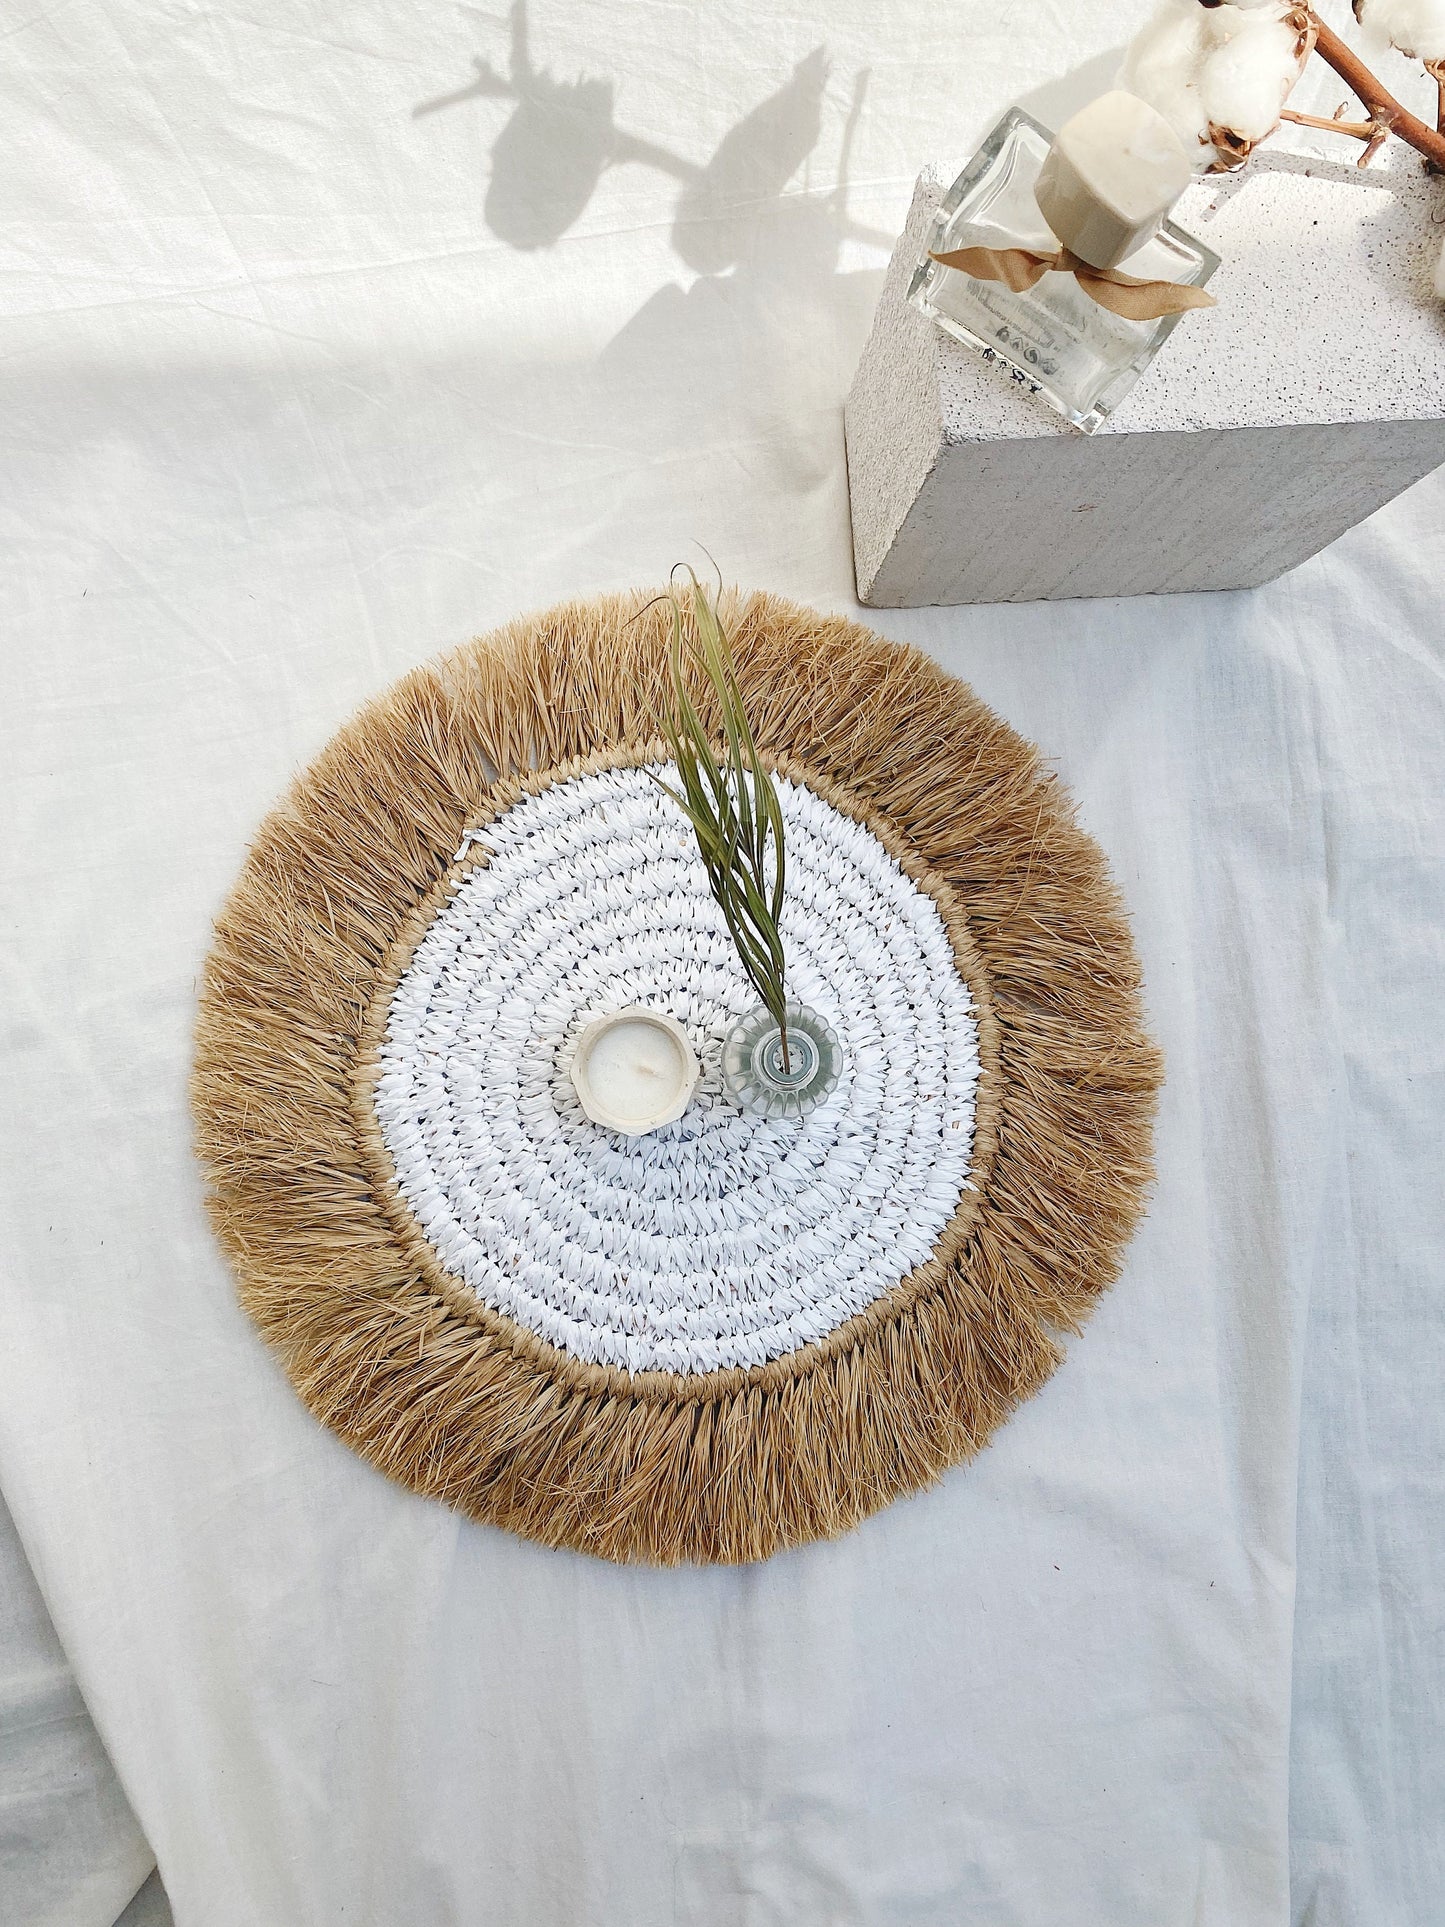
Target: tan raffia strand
x,y
459,1402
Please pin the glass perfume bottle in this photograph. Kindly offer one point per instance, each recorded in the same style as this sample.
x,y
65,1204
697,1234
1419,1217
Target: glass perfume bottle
x,y
1054,337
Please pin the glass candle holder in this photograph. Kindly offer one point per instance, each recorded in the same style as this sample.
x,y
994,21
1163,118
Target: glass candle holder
x,y
755,1075
1053,338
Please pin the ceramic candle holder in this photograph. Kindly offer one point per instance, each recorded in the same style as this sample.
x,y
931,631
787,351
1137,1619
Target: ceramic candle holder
x,y
634,1070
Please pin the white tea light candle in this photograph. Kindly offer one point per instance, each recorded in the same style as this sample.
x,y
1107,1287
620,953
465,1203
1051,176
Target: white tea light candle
x,y
634,1070
1112,174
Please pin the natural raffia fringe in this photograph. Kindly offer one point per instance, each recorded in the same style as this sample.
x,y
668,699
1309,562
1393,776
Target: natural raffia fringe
x,y
459,1403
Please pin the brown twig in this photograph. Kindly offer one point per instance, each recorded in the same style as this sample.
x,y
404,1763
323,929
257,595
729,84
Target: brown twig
x,y
1360,130
1371,132
1384,110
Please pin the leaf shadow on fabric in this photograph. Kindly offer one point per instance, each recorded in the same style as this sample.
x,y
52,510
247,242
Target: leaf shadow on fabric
x,y
764,247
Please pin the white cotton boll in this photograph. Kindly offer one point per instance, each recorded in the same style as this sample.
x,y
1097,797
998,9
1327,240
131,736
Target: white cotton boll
x,y
1163,64
1225,22
1440,274
1247,80
1416,27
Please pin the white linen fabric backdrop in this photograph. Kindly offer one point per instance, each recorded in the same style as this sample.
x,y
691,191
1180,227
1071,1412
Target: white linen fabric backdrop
x,y
324,348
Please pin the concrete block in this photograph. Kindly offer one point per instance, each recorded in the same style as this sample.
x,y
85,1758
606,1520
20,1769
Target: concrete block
x,y
1266,427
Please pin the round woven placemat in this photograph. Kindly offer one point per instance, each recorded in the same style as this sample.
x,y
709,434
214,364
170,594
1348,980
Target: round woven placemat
x,y
733,1335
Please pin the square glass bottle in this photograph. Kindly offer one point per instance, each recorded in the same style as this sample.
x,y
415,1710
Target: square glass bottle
x,y
1053,337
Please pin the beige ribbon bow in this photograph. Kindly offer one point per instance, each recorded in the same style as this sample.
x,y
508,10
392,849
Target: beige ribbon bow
x,y
1121,294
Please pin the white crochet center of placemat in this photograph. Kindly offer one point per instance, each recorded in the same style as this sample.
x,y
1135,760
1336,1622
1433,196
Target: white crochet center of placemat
x,y
722,1239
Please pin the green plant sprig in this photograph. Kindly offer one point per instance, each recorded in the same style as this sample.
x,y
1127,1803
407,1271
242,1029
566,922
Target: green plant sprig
x,y
730,799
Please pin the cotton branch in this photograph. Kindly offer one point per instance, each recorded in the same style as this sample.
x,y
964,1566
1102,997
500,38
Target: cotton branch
x,y
1373,133
1221,74
1385,111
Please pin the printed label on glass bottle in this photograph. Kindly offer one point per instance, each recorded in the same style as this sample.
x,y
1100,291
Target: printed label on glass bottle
x,y
1037,348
